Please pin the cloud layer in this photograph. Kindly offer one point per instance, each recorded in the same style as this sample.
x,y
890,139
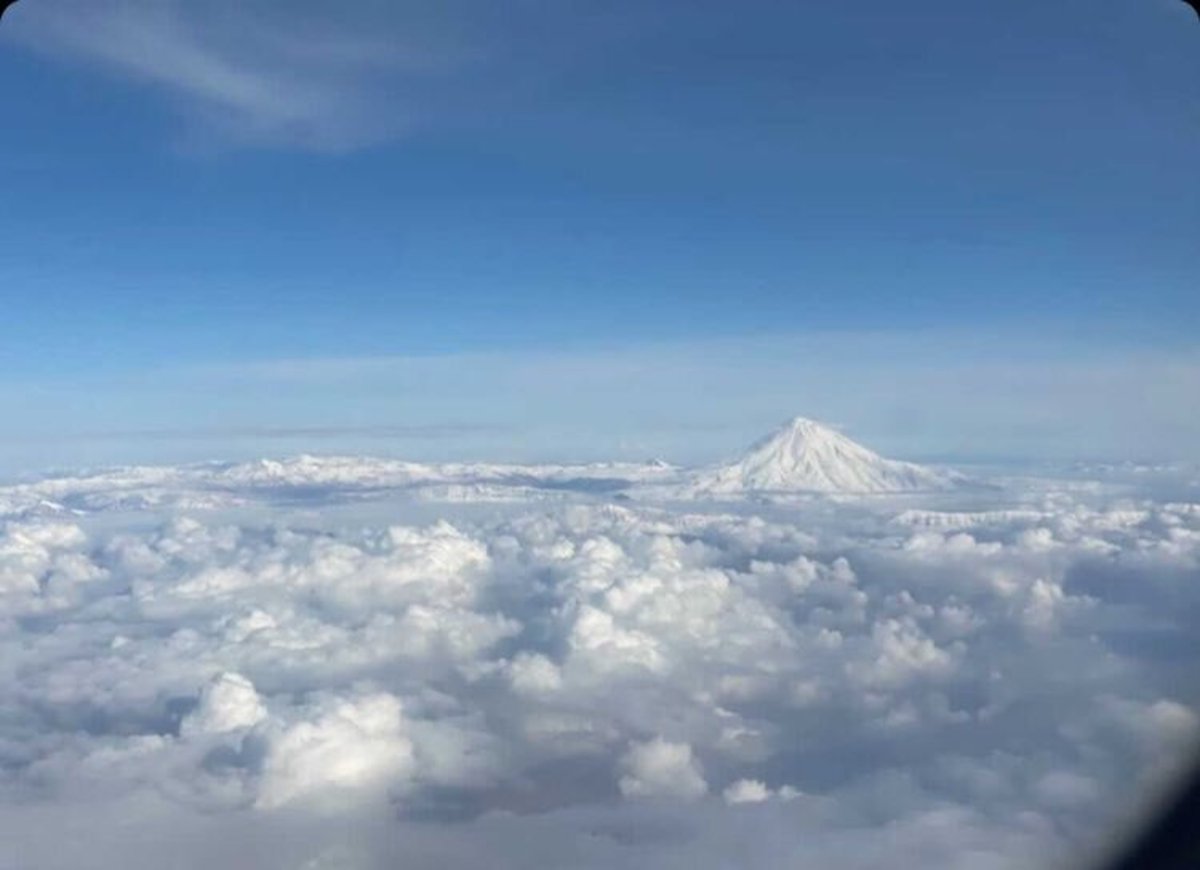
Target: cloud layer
x,y
574,682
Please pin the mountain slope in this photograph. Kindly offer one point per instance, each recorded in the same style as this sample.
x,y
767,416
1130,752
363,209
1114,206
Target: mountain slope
x,y
806,456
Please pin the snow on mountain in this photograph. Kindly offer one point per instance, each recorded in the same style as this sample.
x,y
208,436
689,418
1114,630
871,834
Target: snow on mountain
x,y
806,456
802,457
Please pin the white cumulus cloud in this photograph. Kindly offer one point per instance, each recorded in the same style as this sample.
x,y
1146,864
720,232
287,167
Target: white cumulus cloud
x,y
659,768
984,679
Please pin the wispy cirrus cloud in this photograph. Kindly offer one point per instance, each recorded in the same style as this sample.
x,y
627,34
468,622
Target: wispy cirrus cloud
x,y
295,75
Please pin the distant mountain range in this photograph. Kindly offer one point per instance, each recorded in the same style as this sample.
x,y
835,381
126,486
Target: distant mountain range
x,y
803,456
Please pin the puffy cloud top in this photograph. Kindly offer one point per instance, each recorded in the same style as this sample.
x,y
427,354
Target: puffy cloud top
x,y
659,768
604,684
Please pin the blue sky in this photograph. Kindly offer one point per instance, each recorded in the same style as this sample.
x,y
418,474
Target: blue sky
x,y
221,220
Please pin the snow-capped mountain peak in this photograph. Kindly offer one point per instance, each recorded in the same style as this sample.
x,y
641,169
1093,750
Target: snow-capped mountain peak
x,y
804,455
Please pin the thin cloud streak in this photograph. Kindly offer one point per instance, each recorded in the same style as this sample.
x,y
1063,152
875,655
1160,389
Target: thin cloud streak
x,y
416,432
256,75
1031,398
922,394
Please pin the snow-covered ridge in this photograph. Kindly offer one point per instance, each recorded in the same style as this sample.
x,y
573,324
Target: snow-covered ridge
x,y
315,479
806,456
